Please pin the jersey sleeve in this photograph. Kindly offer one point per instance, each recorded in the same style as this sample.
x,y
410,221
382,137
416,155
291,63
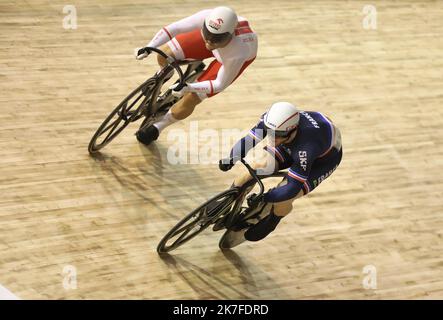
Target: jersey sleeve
x,y
225,76
184,25
283,193
255,135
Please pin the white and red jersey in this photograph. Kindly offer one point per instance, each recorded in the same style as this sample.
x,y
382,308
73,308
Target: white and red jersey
x,y
239,52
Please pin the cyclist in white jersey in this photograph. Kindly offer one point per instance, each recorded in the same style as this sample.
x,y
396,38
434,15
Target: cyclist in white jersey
x,y
214,33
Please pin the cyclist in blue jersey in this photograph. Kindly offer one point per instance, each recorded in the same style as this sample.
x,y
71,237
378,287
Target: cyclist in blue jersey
x,y
306,142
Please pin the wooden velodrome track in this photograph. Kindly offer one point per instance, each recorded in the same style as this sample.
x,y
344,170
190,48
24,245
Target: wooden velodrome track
x,y
105,216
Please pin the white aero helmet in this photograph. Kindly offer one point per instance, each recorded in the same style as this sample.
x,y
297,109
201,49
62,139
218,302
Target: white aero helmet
x,y
282,118
220,24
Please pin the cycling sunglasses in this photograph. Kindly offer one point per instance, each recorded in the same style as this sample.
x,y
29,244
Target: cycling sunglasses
x,y
280,134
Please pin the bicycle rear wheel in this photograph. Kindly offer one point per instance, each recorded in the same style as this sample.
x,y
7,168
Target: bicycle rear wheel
x,y
197,221
129,110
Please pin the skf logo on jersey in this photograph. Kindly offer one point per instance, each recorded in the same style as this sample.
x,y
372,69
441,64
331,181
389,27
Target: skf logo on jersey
x,y
303,155
216,24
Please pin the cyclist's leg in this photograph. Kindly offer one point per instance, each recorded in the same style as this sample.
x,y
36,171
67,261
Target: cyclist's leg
x,y
273,160
277,159
166,49
283,208
269,220
321,170
188,45
185,106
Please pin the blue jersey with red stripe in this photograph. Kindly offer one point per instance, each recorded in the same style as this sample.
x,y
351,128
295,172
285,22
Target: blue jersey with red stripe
x,y
314,139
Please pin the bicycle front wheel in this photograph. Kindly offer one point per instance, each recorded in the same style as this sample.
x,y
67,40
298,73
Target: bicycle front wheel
x,y
129,110
197,221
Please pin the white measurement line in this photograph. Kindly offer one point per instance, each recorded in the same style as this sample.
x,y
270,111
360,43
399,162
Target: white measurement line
x,y
5,294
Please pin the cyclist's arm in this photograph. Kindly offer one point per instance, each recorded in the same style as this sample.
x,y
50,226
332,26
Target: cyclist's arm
x,y
225,76
255,135
297,175
185,25
283,193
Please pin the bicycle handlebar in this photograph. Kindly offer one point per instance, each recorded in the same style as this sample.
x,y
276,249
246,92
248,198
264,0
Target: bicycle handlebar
x,y
173,63
255,176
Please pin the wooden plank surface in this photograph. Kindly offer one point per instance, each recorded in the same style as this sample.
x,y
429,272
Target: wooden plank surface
x,y
382,207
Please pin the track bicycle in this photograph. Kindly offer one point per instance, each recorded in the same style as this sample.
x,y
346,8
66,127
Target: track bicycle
x,y
148,101
223,211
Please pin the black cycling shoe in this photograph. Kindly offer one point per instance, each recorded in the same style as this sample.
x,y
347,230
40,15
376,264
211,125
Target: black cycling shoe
x,y
147,135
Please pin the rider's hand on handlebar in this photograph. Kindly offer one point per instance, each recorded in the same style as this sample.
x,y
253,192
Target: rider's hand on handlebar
x,y
226,164
141,53
179,93
254,199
